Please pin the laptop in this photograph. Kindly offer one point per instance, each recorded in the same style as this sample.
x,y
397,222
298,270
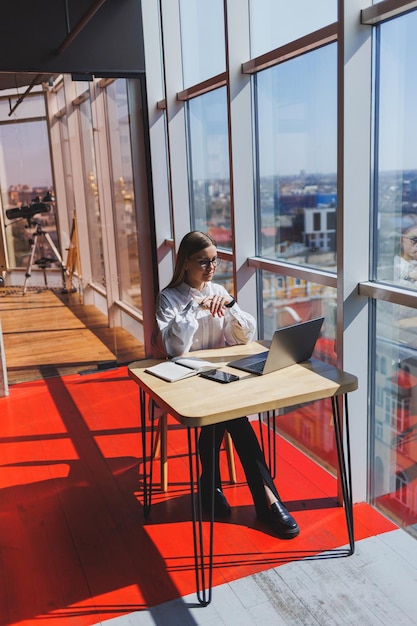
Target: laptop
x,y
291,344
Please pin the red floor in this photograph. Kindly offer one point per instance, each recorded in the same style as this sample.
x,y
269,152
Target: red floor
x,y
74,546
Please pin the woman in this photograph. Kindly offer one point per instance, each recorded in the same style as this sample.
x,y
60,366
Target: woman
x,y
405,265
193,313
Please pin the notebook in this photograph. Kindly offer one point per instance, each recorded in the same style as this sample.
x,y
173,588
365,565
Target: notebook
x,y
291,344
179,368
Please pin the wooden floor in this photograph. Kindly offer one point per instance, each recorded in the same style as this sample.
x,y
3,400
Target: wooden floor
x,y
46,333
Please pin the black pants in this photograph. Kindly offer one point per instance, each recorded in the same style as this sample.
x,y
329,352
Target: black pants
x,y
249,452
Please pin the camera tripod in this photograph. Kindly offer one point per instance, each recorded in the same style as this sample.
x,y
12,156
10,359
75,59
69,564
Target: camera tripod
x,y
38,239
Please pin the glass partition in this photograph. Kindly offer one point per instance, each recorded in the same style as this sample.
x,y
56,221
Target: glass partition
x,y
60,97
67,170
296,156
208,149
396,189
202,40
30,107
287,300
394,471
25,175
91,194
224,275
123,194
273,23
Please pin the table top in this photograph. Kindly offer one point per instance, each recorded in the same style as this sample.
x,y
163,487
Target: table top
x,y
196,401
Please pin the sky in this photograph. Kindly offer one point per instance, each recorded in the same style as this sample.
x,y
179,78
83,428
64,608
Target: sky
x,y
25,155
398,94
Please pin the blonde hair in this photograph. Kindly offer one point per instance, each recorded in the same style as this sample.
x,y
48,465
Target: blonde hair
x,y
193,242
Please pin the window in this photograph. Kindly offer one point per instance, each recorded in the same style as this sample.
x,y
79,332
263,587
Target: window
x,y
31,106
274,23
331,220
401,488
400,412
202,40
91,194
396,184
224,275
66,159
123,194
25,174
296,155
285,301
208,147
394,448
394,259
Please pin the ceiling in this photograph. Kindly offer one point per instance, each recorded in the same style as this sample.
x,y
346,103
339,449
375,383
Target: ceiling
x,y
21,79
90,37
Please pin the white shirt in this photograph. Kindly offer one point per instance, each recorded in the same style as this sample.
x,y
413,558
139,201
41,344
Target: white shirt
x,y
402,270
185,326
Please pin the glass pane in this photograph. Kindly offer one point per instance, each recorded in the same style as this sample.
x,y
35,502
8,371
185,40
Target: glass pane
x,y
224,275
396,199
202,40
25,174
287,300
394,472
91,195
31,106
60,97
274,23
67,168
296,117
82,88
123,194
209,166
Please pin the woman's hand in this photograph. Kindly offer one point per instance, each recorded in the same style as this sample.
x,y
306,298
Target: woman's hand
x,y
216,304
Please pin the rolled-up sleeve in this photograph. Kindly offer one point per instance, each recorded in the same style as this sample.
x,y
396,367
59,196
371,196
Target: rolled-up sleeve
x,y
240,327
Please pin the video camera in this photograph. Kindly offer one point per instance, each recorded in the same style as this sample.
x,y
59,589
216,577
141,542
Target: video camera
x,y
29,210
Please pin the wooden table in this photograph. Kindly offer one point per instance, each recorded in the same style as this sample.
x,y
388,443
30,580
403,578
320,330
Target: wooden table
x,y
196,402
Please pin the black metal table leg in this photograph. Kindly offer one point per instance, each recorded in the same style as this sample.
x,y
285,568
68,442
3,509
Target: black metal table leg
x,y
344,459
147,462
203,559
270,452
203,562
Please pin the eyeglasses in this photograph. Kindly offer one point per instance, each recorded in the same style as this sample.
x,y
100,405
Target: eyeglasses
x,y
205,263
412,239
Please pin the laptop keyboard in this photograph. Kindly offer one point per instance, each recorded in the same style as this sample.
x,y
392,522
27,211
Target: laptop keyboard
x,y
258,366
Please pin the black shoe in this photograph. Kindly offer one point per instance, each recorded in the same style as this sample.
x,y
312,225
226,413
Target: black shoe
x,y
280,521
221,506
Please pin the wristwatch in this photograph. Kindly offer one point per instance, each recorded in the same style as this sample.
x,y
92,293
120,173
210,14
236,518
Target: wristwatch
x,y
231,303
